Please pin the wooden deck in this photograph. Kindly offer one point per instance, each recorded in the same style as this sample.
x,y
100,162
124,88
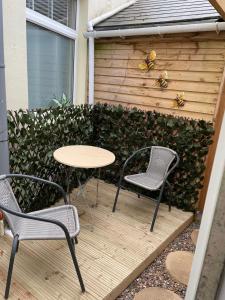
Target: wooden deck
x,y
112,256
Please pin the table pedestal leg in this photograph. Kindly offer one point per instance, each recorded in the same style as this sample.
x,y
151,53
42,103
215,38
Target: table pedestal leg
x,y
81,193
68,173
97,187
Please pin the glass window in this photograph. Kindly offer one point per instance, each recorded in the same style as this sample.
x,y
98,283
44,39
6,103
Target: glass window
x,y
62,11
50,66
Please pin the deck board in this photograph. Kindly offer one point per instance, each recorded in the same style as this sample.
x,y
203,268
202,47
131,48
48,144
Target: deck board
x,y
112,256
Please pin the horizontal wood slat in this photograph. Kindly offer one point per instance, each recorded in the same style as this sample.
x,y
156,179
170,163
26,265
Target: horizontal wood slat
x,y
209,66
173,75
156,102
131,90
194,64
174,112
209,44
152,84
130,54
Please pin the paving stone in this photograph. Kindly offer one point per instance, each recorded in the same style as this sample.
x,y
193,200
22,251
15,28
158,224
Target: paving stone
x,y
155,293
194,236
178,264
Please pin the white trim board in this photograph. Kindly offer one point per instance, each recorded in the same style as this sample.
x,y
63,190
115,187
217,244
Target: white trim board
x,y
75,62
43,21
208,216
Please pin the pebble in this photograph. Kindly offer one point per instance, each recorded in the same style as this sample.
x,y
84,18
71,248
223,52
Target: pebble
x,y
156,275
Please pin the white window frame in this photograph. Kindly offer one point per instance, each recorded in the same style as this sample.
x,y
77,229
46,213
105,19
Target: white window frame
x,y
52,25
43,21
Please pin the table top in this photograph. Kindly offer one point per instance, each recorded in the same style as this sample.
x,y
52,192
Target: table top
x,y
82,156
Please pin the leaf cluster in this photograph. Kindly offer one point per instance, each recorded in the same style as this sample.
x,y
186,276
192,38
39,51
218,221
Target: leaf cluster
x,y
34,135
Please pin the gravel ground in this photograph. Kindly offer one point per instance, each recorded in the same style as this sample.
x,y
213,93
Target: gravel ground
x,y
156,275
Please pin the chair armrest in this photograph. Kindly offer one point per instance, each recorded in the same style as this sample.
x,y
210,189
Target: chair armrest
x,y
37,179
26,216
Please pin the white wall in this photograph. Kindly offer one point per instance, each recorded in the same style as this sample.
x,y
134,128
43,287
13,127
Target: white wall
x,y
99,7
15,51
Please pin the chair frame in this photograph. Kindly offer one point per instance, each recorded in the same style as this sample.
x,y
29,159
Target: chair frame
x,y
161,189
15,244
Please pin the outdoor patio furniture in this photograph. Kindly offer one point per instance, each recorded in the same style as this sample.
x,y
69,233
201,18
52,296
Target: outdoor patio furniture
x,y
83,157
155,178
48,224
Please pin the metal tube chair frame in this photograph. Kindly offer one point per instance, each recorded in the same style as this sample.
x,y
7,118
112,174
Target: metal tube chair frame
x,y
161,188
15,244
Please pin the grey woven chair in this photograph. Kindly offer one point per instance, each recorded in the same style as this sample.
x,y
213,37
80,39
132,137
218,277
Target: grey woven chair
x,y
52,223
155,178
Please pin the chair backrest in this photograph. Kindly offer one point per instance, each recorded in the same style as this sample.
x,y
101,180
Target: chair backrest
x,y
160,161
8,200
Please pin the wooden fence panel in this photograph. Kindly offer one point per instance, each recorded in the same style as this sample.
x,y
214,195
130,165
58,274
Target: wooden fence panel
x,y
194,62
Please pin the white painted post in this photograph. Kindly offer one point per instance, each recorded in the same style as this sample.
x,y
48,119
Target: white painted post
x,y
208,216
4,150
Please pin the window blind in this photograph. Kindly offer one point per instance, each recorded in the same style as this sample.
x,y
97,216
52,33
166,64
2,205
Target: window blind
x,y
62,11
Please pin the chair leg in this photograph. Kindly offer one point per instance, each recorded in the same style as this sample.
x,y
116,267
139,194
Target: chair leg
x,y
117,194
169,200
157,208
11,262
169,205
72,252
17,248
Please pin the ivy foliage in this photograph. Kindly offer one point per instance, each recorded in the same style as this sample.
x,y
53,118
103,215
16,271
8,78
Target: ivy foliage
x,y
35,135
124,131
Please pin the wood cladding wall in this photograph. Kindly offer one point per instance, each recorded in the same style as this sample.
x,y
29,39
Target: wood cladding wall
x,y
194,62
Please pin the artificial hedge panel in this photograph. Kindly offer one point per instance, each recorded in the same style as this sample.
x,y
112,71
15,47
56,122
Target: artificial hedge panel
x,y
34,136
124,130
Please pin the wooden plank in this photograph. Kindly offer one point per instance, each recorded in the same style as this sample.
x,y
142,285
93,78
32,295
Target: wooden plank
x,y
154,74
210,66
164,51
152,83
210,44
175,112
155,93
110,257
138,54
157,102
218,117
219,6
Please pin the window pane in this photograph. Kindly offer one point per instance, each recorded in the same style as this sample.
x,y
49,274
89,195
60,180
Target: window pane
x,y
50,66
29,3
62,11
43,7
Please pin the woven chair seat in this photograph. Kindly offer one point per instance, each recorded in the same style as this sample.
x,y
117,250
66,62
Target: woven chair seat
x,y
36,230
144,180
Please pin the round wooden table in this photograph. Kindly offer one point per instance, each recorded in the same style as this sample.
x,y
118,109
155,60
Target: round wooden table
x,y
84,157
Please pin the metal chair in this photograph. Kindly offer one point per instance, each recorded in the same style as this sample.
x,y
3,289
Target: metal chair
x,y
155,178
48,224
